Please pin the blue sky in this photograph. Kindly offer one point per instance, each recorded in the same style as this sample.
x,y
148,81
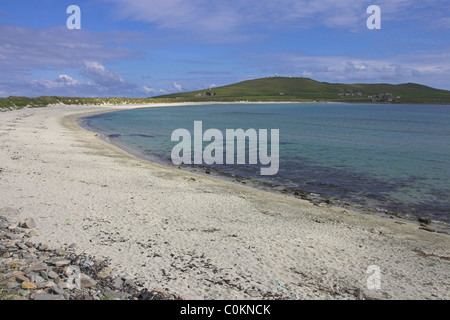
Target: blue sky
x,y
140,48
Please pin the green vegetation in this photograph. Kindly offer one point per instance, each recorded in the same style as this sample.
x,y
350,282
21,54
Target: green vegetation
x,y
266,89
39,102
304,89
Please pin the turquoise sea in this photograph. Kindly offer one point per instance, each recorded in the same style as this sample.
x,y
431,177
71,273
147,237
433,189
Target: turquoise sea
x,y
393,158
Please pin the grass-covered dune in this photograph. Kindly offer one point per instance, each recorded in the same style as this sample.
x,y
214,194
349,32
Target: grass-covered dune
x,y
39,102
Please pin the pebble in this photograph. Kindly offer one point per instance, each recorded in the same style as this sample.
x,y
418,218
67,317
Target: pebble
x,y
32,271
56,289
424,220
118,283
21,278
38,266
188,297
86,281
22,246
29,224
62,263
252,293
31,250
32,233
46,296
28,285
12,236
24,292
104,273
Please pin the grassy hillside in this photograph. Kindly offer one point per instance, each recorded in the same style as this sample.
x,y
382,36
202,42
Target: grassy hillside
x,y
304,89
266,89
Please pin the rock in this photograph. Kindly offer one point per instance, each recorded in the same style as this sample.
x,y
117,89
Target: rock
x,y
52,274
63,285
15,273
118,283
6,255
29,224
86,281
28,285
252,293
46,296
16,264
427,229
188,297
57,290
38,266
104,273
20,278
39,279
32,233
62,253
44,274
424,221
161,291
12,236
114,295
21,246
88,263
62,263
24,292
12,285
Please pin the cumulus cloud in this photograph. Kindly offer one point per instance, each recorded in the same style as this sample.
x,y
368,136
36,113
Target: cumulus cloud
x,y
177,86
149,90
23,50
103,77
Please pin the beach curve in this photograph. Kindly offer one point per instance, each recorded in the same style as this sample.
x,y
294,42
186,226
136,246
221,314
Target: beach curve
x,y
199,235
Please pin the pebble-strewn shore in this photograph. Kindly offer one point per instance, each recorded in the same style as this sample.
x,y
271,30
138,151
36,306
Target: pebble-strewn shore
x,y
33,271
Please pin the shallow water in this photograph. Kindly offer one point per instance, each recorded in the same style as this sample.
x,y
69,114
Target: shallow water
x,y
392,157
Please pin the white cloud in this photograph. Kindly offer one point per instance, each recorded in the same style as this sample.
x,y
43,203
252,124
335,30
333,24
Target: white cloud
x,y
67,80
177,86
104,77
148,89
63,81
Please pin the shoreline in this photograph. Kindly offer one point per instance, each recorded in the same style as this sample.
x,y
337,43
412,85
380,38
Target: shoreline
x,y
312,197
197,235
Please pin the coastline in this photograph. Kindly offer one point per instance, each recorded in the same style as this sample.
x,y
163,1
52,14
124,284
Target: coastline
x,y
200,235
323,200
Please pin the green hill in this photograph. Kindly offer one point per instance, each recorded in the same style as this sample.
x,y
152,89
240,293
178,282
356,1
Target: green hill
x,y
266,89
304,89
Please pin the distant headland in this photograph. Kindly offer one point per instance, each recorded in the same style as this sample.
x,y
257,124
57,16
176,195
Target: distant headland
x,y
272,89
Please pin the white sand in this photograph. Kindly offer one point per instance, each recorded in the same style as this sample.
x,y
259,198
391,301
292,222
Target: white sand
x,y
198,235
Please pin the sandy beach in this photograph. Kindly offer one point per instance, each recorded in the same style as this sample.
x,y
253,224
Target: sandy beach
x,y
198,235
